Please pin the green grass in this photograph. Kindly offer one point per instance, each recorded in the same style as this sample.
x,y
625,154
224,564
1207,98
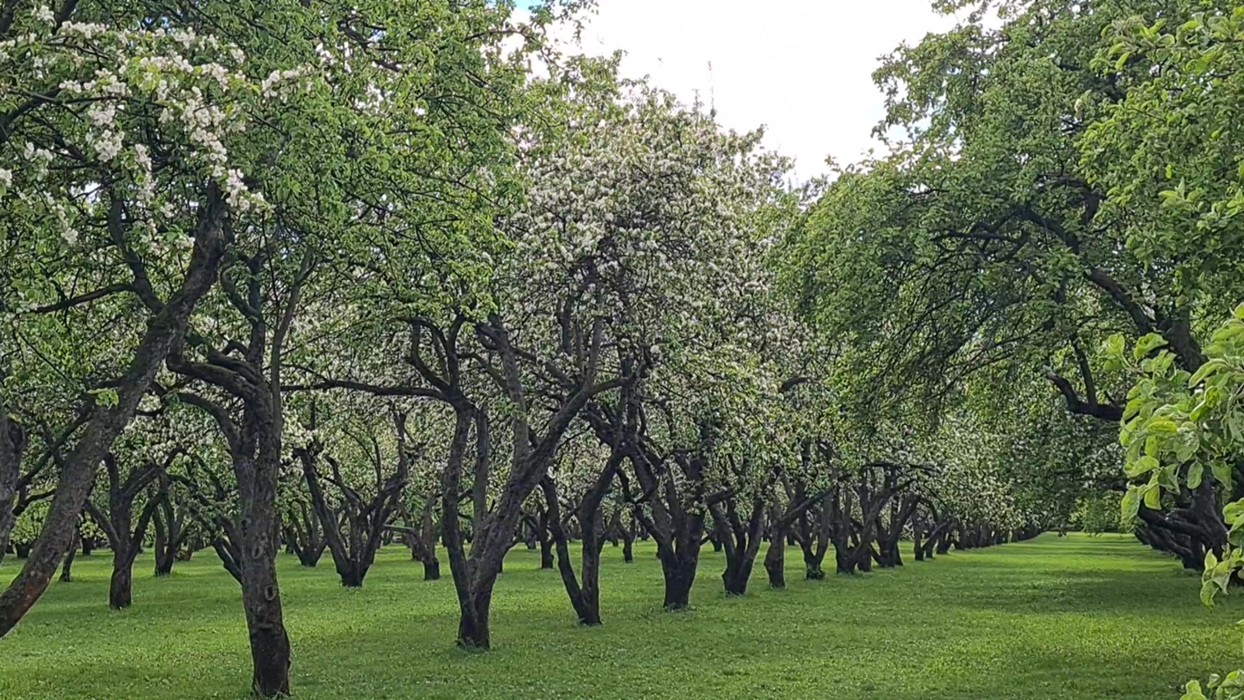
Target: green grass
x,y
1077,617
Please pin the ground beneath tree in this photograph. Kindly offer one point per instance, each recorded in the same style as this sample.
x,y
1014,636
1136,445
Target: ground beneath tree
x,y
1074,617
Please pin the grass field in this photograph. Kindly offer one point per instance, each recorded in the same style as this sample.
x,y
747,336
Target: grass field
x,y
1077,617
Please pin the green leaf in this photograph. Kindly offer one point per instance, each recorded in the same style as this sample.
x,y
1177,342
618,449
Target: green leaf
x,y
1144,465
1208,590
1227,333
1116,345
1233,510
1222,472
1153,497
1163,426
1129,506
1146,345
1192,691
1205,370
1152,446
1199,412
1235,424
1195,474
1186,446
106,398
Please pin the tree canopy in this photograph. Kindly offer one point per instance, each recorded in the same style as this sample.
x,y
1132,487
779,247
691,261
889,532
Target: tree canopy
x,y
323,276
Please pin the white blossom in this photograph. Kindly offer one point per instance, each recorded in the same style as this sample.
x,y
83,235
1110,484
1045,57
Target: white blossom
x,y
108,145
102,114
44,14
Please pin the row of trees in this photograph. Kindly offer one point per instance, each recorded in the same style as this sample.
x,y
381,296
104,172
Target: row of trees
x,y
1061,207
1066,179
316,275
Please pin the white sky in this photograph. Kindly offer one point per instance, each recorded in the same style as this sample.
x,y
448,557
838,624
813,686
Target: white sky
x,y
801,68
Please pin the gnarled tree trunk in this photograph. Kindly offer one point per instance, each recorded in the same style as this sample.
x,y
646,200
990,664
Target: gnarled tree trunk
x,y
125,537
422,540
365,521
741,541
12,447
585,593
304,535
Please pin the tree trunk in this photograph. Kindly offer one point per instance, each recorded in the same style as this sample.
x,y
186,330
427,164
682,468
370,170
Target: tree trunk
x,y
165,542
230,559
844,557
813,560
679,577
431,569
261,597
546,552
305,535
628,537
66,569
472,585
164,560
589,615
864,555
584,591
889,556
352,575
775,561
422,541
736,577
740,540
12,447
309,557
121,585
473,632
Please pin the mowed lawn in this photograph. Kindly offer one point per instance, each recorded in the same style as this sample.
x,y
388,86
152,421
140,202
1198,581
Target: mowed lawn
x,y
1074,617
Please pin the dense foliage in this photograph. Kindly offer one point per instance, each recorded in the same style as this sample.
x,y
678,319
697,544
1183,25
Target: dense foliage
x,y
324,276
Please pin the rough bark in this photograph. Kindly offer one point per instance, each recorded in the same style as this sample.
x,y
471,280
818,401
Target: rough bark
x,y
531,454
889,533
261,597
627,531
13,443
814,530
775,561
671,515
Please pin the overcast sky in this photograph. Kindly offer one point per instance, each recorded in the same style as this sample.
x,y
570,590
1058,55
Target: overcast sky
x,y
802,68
